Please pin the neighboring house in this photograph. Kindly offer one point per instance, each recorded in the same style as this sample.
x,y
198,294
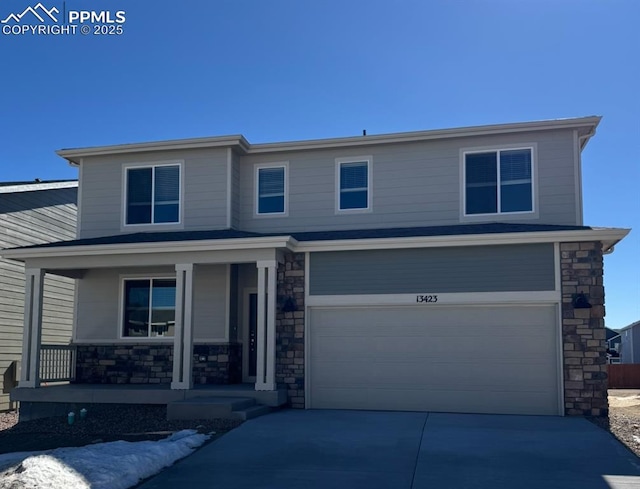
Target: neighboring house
x,y
630,343
613,345
371,272
33,213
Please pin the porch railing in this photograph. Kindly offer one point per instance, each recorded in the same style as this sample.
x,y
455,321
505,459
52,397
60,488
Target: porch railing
x,y
57,363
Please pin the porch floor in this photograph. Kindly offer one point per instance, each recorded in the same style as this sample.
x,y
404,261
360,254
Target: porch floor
x,y
142,393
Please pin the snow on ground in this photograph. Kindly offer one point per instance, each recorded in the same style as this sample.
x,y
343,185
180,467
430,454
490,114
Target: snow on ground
x,y
114,465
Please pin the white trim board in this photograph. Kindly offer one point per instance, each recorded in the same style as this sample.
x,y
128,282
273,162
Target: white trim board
x,y
610,236
35,186
443,299
581,123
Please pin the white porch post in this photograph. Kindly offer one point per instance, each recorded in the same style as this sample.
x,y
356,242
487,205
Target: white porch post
x,y
32,335
266,326
183,331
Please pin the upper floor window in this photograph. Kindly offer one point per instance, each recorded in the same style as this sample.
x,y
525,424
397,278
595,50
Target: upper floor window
x,y
149,307
153,194
353,184
271,189
498,182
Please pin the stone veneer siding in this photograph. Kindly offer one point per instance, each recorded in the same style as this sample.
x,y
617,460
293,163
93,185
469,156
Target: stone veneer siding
x,y
222,364
153,364
290,329
583,332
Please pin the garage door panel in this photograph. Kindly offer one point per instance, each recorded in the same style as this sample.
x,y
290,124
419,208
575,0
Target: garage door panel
x,y
439,401
456,359
465,375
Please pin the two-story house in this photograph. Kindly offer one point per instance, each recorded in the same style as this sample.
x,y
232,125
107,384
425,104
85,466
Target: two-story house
x,y
371,272
33,213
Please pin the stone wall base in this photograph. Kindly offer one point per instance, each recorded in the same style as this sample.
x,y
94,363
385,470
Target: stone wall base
x,y
153,364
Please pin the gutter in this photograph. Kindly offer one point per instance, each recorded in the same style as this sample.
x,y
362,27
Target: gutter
x,y
238,141
608,236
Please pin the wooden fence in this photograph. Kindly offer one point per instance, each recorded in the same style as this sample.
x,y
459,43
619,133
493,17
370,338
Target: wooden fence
x,y
624,376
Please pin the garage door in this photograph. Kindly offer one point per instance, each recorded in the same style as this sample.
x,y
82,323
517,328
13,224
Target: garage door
x,y
476,359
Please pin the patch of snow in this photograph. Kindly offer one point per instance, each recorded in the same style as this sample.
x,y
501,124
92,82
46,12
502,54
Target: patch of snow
x,y
114,465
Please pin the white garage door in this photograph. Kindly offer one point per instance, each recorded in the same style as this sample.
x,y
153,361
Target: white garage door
x,y
480,359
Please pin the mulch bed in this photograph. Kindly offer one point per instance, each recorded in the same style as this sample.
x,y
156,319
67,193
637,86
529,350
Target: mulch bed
x,y
103,423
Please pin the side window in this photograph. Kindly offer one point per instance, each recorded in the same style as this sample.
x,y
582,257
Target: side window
x,y
353,192
153,194
498,182
271,188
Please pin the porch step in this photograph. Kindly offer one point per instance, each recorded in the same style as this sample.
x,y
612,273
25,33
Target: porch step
x,y
210,408
250,412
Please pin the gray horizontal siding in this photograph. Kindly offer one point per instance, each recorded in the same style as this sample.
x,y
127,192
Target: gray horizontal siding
x,y
433,270
413,184
99,301
205,191
28,218
235,191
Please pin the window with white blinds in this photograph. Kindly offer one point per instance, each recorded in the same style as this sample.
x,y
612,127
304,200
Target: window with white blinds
x,y
498,182
271,190
353,185
153,194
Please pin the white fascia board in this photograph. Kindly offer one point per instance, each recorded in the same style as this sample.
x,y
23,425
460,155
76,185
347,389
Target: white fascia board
x,y
74,155
32,187
146,248
608,236
405,137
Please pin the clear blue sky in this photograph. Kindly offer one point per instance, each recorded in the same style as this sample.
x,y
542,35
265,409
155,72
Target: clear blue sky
x,y
285,70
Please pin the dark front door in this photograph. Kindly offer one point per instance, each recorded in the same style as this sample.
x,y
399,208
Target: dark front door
x,y
253,329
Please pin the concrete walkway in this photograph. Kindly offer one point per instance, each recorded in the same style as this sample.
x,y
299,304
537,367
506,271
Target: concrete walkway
x,y
361,449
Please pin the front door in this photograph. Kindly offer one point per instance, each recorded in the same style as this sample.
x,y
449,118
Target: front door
x,y
249,335
252,330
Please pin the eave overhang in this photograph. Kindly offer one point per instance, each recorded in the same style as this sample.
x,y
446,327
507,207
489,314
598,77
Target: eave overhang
x,y
608,236
584,125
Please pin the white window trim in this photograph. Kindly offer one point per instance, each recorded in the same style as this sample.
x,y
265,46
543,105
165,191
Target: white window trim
x,y
256,190
499,216
160,225
356,159
121,299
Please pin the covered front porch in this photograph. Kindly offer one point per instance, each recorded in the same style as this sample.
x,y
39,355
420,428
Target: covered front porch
x,y
57,400
226,328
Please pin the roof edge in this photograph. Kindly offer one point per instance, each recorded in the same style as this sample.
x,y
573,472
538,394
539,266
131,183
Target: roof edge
x,y
590,123
31,187
608,236
75,155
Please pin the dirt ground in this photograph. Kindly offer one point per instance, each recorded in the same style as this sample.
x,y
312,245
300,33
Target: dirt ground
x,y
102,424
624,417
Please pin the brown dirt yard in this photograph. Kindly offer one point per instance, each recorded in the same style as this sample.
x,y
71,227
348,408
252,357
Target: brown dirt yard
x,y
624,417
102,424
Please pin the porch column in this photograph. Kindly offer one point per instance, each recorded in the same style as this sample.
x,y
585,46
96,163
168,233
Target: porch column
x,y
183,331
32,334
266,326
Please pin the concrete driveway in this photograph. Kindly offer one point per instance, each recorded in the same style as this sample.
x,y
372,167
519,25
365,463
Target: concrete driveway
x,y
363,449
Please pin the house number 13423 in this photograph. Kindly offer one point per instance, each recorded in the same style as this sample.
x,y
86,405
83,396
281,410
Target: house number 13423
x,y
426,298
